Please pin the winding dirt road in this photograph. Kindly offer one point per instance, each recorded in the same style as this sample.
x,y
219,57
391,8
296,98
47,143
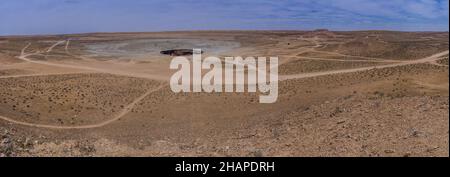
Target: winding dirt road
x,y
24,56
431,59
46,74
122,113
54,45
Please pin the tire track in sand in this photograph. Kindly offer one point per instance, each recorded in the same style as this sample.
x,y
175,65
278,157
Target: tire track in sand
x,y
429,59
24,56
129,107
122,113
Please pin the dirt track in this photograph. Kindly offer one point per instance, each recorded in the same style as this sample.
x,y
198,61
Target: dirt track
x,y
23,56
77,104
429,59
122,113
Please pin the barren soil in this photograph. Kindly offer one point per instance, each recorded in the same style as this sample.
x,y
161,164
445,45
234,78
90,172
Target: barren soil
x,y
363,93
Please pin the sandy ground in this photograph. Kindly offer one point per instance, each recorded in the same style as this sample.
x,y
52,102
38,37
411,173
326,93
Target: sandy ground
x,y
367,93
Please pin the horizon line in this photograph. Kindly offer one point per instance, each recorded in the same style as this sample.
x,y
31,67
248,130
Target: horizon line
x,y
218,30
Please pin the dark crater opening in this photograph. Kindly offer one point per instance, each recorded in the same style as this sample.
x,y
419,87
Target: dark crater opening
x,y
178,52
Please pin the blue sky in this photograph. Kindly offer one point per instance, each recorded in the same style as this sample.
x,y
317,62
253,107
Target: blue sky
x,y
80,16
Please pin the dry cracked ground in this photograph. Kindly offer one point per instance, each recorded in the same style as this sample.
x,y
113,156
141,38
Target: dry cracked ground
x,y
364,93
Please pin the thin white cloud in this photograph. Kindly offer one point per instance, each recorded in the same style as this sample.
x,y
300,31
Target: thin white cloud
x,y
73,16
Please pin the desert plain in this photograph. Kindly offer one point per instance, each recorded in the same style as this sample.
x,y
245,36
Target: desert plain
x,y
356,93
